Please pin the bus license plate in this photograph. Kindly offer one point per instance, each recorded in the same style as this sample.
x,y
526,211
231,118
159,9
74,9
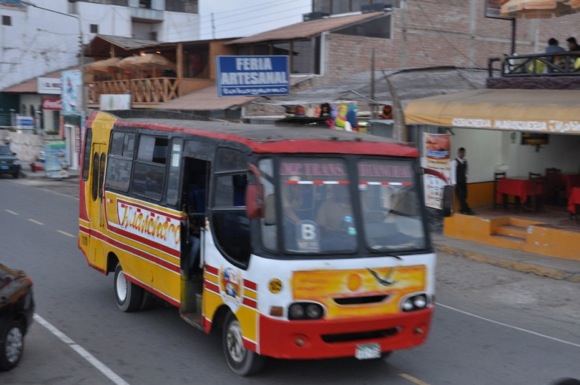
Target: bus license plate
x,y
368,351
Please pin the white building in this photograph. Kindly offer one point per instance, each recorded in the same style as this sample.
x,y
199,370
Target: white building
x,y
35,41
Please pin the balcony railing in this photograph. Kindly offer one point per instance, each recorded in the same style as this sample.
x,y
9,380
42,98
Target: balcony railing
x,y
562,64
149,91
146,92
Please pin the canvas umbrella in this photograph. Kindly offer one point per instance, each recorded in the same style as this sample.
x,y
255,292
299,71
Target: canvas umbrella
x,y
106,65
536,9
147,61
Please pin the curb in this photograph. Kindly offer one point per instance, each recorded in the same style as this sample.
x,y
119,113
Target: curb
x,y
523,267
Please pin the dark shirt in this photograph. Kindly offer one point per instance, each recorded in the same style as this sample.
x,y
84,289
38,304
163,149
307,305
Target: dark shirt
x,y
461,172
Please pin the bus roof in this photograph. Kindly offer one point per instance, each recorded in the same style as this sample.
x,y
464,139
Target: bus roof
x,y
262,138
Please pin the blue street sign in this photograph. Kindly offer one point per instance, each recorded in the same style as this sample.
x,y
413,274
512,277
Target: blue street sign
x,y
253,75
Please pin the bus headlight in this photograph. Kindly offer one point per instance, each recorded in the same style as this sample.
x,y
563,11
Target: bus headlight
x,y
305,311
415,302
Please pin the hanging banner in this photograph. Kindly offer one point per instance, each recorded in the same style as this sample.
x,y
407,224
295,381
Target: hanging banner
x,y
437,157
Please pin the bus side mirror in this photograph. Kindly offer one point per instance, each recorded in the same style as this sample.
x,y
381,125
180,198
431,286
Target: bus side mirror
x,y
255,201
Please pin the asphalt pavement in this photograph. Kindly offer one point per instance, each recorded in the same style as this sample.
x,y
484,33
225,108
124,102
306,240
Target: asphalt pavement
x,y
491,326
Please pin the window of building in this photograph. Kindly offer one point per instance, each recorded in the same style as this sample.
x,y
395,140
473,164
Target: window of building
x,y
145,4
305,53
94,28
380,28
149,169
188,6
334,7
120,161
6,20
229,220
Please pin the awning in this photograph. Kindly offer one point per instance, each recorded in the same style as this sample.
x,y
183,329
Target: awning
x,y
545,111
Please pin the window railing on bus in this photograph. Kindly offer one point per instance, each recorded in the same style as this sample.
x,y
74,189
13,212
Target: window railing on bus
x,y
120,161
149,169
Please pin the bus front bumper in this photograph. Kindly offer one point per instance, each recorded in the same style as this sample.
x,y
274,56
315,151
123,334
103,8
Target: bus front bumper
x,y
340,338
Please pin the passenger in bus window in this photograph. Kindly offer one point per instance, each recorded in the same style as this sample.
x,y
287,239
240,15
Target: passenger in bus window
x,y
335,219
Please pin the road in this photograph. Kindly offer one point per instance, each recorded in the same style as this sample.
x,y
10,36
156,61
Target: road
x,y
492,326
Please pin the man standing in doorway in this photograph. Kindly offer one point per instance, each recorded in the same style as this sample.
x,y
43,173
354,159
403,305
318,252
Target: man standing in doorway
x,y
459,180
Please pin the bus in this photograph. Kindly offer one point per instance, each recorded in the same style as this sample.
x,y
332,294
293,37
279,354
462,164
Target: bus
x,y
293,243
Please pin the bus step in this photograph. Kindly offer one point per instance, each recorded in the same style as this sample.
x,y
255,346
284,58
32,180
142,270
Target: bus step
x,y
194,319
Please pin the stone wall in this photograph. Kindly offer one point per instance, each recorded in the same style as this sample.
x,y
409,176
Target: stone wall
x,y
27,146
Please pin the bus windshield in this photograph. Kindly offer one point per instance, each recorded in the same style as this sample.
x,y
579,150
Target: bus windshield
x,y
318,206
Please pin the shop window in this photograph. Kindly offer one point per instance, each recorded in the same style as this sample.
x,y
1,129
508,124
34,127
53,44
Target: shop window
x,y
94,28
380,28
6,20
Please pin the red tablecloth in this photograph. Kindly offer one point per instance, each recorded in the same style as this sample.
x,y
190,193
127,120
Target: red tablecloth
x,y
570,180
522,188
574,199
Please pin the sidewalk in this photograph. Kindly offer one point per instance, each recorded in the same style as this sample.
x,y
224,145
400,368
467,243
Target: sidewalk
x,y
555,268
27,172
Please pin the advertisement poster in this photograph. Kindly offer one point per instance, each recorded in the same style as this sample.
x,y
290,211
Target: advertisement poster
x,y
71,97
436,156
253,75
55,160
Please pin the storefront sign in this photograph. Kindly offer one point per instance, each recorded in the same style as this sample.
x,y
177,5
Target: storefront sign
x,y
51,104
71,92
560,126
49,86
24,122
436,156
111,102
253,75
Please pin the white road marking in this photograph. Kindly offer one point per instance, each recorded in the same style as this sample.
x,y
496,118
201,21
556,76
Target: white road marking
x,y
104,369
11,212
35,221
412,379
509,326
66,234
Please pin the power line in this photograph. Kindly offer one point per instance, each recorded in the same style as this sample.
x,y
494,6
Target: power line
x,y
257,6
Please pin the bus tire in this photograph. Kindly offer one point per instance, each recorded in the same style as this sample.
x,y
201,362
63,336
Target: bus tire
x,y
240,360
128,296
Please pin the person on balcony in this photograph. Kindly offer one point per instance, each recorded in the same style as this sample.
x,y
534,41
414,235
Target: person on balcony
x,y
554,47
573,45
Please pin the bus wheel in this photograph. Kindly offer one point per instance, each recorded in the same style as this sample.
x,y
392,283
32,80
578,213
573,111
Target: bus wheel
x,y
128,296
241,361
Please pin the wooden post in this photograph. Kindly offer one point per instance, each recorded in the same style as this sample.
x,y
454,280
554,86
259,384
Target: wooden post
x,y
179,61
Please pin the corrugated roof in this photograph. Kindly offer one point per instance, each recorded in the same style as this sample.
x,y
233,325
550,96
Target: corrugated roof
x,y
205,99
308,29
127,43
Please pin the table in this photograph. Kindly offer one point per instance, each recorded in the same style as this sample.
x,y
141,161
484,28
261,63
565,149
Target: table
x,y
521,188
573,199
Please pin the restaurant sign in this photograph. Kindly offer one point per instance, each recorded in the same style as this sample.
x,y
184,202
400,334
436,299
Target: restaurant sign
x,y
253,75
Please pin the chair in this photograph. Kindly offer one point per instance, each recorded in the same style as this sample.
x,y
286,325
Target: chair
x,y
539,182
497,176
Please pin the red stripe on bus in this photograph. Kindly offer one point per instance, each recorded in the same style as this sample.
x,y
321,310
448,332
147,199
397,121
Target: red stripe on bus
x,y
145,241
250,285
153,290
250,303
132,250
212,270
211,287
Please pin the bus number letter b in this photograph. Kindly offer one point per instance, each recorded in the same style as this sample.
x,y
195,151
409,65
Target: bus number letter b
x,y
308,232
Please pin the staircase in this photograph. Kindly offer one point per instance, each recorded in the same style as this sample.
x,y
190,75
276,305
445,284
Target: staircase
x,y
511,233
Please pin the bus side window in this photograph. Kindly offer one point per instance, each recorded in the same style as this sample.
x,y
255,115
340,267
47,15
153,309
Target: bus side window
x,y
229,219
95,176
150,167
172,193
87,153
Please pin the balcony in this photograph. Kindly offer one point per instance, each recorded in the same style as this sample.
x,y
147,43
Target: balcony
x,y
148,92
541,71
146,15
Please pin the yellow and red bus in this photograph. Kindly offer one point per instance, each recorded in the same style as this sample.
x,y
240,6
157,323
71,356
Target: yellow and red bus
x,y
295,243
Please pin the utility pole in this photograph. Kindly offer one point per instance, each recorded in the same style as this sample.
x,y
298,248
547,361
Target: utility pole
x,y
373,104
212,27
